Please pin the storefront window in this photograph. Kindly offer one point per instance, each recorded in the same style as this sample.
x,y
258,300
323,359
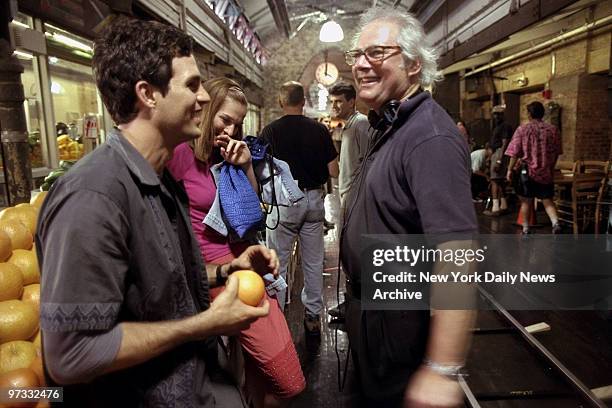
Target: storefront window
x,y
76,107
33,109
32,105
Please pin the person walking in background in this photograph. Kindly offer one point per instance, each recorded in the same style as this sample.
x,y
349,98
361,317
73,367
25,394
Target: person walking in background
x,y
355,135
538,144
479,180
307,147
126,317
355,138
502,132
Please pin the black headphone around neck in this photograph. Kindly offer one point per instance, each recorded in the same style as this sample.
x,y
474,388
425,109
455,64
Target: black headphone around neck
x,y
386,117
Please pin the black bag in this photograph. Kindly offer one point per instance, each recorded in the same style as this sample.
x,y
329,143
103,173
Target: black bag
x,y
521,181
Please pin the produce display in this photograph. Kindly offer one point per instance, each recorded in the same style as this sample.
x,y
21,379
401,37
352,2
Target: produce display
x,y
68,148
20,352
64,166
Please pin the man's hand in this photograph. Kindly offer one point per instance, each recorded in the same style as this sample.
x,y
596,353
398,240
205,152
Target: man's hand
x,y
428,389
257,258
231,315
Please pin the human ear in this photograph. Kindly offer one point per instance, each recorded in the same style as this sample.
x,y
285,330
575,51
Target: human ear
x,y
145,94
414,68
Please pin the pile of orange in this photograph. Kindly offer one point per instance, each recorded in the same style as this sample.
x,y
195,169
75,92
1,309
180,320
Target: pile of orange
x,y
20,355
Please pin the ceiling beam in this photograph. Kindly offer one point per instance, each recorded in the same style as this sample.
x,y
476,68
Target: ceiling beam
x,y
278,8
526,15
429,10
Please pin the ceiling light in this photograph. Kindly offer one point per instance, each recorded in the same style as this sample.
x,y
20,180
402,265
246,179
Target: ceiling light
x,y
22,54
331,32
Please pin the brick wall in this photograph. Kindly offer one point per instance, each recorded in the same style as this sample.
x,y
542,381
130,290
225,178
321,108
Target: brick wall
x,y
592,122
565,93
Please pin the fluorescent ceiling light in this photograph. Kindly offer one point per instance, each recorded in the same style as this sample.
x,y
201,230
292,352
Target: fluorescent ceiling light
x,y
70,42
23,54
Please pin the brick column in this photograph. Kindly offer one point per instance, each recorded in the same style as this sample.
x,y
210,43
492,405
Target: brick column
x,y
13,130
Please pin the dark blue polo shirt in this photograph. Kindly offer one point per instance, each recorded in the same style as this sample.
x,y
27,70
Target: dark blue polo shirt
x,y
415,180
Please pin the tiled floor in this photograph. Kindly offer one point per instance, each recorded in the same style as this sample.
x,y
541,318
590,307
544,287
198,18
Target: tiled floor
x,y
497,362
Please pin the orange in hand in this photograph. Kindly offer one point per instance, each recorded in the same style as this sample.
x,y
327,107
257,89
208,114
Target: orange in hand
x,y
251,287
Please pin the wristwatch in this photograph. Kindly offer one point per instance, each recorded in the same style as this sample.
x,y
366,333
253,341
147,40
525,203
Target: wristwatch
x,y
221,277
445,370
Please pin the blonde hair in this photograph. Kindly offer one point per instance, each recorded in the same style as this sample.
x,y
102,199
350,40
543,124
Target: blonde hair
x,y
219,90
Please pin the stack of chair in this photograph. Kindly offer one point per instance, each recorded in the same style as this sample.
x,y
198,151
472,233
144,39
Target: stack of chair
x,y
582,205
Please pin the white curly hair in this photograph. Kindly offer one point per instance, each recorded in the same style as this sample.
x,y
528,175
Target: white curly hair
x,y
411,39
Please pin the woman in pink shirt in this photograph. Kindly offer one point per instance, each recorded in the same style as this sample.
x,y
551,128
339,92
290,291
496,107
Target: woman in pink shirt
x,y
270,358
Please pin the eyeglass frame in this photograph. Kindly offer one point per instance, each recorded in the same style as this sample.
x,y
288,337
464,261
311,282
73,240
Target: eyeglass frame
x,y
348,54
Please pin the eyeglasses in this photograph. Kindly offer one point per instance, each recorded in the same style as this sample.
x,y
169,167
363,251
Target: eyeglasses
x,y
374,53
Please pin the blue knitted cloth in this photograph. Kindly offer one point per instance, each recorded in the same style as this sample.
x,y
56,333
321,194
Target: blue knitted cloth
x,y
239,202
257,147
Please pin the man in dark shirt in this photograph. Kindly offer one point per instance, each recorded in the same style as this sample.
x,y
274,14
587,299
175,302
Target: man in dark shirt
x,y
415,179
306,146
125,313
500,137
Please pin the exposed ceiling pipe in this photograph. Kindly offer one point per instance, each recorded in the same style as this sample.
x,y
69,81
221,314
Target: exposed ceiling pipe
x,y
580,30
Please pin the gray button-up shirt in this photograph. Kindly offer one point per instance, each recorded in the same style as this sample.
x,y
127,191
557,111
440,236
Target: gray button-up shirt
x,y
115,245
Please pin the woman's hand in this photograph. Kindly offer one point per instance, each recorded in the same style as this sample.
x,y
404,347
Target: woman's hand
x,y
257,258
234,152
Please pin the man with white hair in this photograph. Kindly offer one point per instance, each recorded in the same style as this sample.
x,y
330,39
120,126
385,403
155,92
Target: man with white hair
x,y
414,180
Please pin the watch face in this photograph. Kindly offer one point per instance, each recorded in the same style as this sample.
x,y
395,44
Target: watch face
x,y
326,73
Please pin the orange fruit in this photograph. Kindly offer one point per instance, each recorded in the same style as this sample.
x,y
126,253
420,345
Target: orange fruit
x,y
16,354
31,295
21,237
38,199
251,287
6,248
37,367
27,262
37,340
11,282
18,320
20,378
22,212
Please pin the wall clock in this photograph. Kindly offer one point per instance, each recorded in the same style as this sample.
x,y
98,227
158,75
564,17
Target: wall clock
x,y
326,73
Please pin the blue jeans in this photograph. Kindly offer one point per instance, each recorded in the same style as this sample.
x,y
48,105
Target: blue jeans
x,y
304,219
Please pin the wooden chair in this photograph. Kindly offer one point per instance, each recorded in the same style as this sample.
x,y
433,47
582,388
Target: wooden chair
x,y
594,166
604,200
567,166
581,207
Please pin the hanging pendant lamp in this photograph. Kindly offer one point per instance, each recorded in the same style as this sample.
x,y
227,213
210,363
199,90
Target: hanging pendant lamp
x,y
331,32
